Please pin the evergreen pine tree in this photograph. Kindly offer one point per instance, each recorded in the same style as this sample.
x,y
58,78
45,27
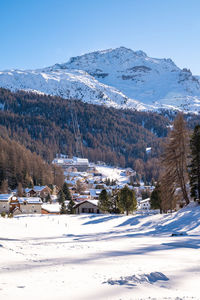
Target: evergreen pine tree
x,y
61,197
194,168
66,191
71,207
115,202
155,200
63,209
48,199
104,203
127,200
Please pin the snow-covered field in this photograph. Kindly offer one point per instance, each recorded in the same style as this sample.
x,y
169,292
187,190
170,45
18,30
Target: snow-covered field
x,y
101,256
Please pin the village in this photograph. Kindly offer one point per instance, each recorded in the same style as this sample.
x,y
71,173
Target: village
x,y
85,181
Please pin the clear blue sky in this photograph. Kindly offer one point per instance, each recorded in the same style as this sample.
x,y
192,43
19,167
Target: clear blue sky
x,y
37,33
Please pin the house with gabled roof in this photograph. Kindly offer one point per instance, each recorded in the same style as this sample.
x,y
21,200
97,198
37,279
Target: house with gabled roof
x,y
30,205
88,207
5,200
144,204
38,191
9,203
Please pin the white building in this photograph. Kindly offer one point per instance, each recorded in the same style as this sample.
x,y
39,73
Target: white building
x,y
144,204
81,164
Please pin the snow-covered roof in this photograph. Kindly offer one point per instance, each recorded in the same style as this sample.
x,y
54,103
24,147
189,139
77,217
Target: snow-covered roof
x,y
144,200
5,197
62,161
36,188
76,194
83,197
95,192
94,202
39,188
51,208
80,161
30,200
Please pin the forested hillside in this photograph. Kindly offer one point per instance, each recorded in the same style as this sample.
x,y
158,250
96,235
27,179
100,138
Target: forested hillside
x,y
19,165
43,124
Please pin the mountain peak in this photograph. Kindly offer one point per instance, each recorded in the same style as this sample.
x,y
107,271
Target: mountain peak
x,y
118,77
120,52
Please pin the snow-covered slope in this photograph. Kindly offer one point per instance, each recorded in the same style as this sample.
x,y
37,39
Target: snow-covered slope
x,y
117,77
75,84
157,82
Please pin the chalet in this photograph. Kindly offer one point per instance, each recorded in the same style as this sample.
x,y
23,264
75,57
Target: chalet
x,y
87,206
19,205
5,201
30,205
38,191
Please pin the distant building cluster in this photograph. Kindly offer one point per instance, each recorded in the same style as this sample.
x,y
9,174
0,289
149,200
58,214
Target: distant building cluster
x,y
80,164
85,182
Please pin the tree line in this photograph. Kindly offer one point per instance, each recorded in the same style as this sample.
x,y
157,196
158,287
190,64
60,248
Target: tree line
x,y
120,201
179,179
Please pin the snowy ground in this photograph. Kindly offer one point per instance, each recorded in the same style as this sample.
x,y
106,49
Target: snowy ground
x,y
101,257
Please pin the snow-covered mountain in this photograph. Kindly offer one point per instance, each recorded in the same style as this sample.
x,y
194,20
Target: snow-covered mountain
x,y
119,77
75,84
